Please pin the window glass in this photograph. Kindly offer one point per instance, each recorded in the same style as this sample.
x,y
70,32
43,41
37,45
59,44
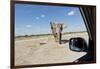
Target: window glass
x,y
37,29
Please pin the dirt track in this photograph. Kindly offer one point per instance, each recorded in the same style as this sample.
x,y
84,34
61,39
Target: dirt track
x,y
45,50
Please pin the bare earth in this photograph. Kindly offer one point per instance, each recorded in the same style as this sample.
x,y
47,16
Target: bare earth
x,y
44,50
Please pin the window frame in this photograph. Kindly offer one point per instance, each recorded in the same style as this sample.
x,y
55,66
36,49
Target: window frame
x,y
12,51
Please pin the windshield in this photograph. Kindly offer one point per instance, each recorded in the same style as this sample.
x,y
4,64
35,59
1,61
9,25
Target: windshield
x,y
42,33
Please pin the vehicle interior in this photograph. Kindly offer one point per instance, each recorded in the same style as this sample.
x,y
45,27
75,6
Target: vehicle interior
x,y
89,16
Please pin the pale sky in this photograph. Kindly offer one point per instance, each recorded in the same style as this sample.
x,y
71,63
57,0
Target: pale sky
x,y
35,19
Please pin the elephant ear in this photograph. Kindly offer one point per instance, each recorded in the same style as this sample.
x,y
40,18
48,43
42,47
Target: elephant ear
x,y
51,25
62,25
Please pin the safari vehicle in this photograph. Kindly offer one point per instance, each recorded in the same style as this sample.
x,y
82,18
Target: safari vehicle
x,y
71,45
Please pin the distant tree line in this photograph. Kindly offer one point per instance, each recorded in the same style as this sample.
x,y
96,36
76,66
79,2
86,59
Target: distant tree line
x,y
38,35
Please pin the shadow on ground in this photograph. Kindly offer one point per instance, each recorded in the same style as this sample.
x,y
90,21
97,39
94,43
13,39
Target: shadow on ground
x,y
64,41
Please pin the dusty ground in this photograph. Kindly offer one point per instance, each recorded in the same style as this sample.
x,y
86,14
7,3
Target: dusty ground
x,y
44,50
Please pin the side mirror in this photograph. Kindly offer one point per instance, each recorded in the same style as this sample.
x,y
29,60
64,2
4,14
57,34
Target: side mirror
x,y
78,44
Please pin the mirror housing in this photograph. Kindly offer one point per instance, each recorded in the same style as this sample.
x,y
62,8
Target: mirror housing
x,y
78,44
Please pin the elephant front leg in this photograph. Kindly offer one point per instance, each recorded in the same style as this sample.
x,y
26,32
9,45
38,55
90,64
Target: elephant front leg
x,y
59,38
